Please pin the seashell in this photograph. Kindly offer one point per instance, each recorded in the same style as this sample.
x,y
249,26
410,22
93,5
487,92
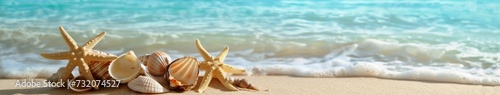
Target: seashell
x,y
144,58
157,63
241,83
183,73
99,69
79,87
146,84
55,76
125,68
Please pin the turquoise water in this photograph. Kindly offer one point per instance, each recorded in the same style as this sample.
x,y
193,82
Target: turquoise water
x,y
447,41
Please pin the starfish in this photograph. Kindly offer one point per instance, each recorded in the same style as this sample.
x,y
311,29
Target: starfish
x,y
79,56
215,68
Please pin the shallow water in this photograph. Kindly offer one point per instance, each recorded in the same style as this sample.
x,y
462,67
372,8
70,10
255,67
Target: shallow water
x,y
443,41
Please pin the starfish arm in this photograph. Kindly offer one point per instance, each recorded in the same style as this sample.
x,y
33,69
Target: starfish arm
x,y
92,42
69,41
203,52
99,57
205,81
56,56
205,65
67,71
222,55
85,71
231,69
220,75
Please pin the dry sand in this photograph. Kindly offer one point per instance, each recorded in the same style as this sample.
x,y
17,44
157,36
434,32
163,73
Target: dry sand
x,y
284,85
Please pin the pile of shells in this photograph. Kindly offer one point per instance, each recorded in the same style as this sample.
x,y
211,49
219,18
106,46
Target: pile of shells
x,y
181,74
178,75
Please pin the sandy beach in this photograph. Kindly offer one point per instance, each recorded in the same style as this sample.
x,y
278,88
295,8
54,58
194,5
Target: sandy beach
x,y
284,85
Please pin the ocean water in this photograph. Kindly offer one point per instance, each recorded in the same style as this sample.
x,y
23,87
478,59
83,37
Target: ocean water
x,y
442,41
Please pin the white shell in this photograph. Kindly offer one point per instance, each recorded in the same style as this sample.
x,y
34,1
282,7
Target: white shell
x,y
125,68
146,84
81,87
157,63
183,73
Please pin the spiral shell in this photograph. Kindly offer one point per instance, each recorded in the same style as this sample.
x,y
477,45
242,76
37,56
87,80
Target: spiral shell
x,y
79,87
125,68
183,73
157,63
99,69
145,84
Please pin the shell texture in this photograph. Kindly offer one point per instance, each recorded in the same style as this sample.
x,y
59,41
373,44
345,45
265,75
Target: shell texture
x,y
157,63
145,84
183,73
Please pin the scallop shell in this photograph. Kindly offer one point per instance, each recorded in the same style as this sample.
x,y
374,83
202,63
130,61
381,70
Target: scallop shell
x,y
146,84
157,63
55,76
183,73
125,68
79,87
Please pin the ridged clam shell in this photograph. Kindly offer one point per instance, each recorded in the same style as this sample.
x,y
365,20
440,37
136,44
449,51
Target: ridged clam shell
x,y
55,76
79,87
183,73
145,84
125,68
157,63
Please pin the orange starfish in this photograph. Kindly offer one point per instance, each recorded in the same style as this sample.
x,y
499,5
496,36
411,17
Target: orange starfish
x,y
79,56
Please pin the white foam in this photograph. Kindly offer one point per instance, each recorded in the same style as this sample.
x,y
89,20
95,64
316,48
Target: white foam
x,y
396,61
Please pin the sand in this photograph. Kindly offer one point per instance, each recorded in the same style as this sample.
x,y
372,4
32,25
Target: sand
x,y
284,85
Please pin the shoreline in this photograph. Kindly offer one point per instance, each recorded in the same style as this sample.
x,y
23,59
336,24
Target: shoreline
x,y
292,85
